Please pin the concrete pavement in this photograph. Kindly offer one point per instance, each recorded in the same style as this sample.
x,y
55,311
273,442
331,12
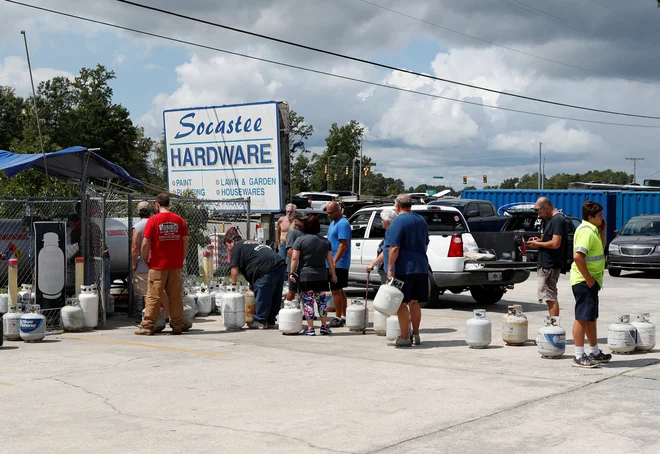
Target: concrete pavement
x,y
212,390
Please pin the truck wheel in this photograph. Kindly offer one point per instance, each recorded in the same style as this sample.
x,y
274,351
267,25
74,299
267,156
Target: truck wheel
x,y
486,295
614,272
433,294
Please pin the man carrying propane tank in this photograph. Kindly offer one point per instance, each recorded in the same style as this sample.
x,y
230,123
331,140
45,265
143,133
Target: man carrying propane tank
x,y
406,243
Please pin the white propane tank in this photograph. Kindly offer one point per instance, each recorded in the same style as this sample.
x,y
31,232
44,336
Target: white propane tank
x,y
355,315
214,291
645,332
515,326
26,296
204,303
11,326
89,302
191,301
188,317
250,306
219,294
4,303
33,326
393,329
72,317
389,297
161,322
478,330
551,341
233,309
380,323
621,335
290,318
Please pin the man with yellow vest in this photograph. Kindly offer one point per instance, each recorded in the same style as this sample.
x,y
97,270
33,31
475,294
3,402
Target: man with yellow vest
x,y
587,280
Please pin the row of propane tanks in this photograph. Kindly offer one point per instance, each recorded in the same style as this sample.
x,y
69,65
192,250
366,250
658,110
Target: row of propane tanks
x,y
622,335
25,322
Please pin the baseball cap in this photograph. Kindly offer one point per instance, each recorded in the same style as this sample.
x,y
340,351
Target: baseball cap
x,y
144,205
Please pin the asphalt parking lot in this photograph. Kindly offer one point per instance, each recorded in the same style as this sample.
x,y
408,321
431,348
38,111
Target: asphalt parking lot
x,y
211,390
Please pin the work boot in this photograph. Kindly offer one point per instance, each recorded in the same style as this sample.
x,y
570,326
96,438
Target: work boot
x,y
144,332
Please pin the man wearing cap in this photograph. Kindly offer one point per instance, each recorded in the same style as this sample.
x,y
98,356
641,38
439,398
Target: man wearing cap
x,y
292,235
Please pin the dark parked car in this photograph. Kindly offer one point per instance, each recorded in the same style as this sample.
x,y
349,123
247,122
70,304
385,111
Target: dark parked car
x,y
480,215
636,246
528,223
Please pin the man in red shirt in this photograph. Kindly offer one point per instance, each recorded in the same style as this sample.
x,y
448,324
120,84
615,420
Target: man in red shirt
x,y
166,235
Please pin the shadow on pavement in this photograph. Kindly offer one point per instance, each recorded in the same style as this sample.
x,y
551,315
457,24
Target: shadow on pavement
x,y
617,362
8,347
640,275
601,342
440,344
436,330
467,304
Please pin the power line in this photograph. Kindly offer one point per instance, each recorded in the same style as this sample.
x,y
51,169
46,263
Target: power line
x,y
492,43
618,12
325,73
380,65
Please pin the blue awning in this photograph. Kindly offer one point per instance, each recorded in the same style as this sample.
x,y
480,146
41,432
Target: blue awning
x,y
69,164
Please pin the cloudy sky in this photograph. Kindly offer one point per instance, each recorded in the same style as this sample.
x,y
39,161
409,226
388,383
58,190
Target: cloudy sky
x,y
597,53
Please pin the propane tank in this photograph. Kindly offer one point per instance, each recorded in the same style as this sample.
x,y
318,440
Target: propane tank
x,y
389,297
393,329
50,272
89,302
220,291
250,306
515,326
233,309
33,325
72,316
551,341
380,323
188,316
80,272
621,335
190,300
290,318
204,302
4,303
11,325
26,296
645,332
478,330
355,315
161,322
214,292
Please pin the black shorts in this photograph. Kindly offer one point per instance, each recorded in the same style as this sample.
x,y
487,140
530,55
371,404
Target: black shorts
x,y
342,279
415,287
586,301
314,286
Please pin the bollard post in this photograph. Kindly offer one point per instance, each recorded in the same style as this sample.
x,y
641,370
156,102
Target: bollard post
x,y
12,287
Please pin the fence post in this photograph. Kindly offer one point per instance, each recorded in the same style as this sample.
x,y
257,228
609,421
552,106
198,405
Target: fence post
x,y
131,304
104,302
249,215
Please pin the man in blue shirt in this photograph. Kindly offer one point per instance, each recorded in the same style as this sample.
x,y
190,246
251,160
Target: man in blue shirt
x,y
339,235
406,242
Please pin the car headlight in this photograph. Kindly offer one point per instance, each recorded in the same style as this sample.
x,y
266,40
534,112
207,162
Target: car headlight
x,y
615,248
657,249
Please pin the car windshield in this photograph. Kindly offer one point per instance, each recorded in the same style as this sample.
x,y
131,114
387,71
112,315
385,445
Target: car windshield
x,y
641,226
443,222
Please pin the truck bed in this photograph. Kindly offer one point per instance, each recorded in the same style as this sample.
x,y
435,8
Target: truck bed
x,y
507,248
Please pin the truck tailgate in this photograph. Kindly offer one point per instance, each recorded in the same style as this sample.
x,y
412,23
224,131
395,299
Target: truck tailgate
x,y
507,248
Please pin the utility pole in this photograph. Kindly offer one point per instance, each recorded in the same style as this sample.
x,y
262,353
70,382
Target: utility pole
x,y
543,180
353,183
540,185
634,160
360,176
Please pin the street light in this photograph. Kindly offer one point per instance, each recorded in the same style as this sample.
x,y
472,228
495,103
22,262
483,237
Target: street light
x,y
327,180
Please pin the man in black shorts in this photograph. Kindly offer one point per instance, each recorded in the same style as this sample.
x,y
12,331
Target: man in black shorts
x,y
406,242
339,235
551,259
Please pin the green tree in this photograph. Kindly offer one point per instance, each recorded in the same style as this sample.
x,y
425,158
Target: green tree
x,y
343,146
196,219
299,132
302,174
12,117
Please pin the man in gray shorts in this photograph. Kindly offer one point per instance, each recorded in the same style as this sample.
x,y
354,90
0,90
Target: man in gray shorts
x,y
551,261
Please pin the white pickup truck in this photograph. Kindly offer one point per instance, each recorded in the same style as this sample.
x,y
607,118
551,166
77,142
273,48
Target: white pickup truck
x,y
454,269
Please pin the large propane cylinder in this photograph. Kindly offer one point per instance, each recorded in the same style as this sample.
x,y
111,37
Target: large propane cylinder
x,y
621,335
250,306
355,316
233,309
290,318
389,297
380,323
188,317
393,329
551,341
33,325
515,326
161,322
204,303
80,272
72,316
4,303
645,332
478,330
11,326
89,302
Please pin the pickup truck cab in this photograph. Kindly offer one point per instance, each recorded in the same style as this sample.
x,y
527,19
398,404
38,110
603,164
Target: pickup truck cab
x,y
481,215
450,269
318,200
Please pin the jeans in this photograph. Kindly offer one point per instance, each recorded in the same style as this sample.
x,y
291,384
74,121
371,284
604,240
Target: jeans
x,y
170,281
268,294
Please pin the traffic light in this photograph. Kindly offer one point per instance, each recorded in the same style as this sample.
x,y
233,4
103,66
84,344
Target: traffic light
x,y
327,177
485,178
326,168
335,177
464,180
346,170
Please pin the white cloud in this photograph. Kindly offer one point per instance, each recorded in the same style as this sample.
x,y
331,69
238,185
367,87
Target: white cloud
x,y
14,72
119,59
